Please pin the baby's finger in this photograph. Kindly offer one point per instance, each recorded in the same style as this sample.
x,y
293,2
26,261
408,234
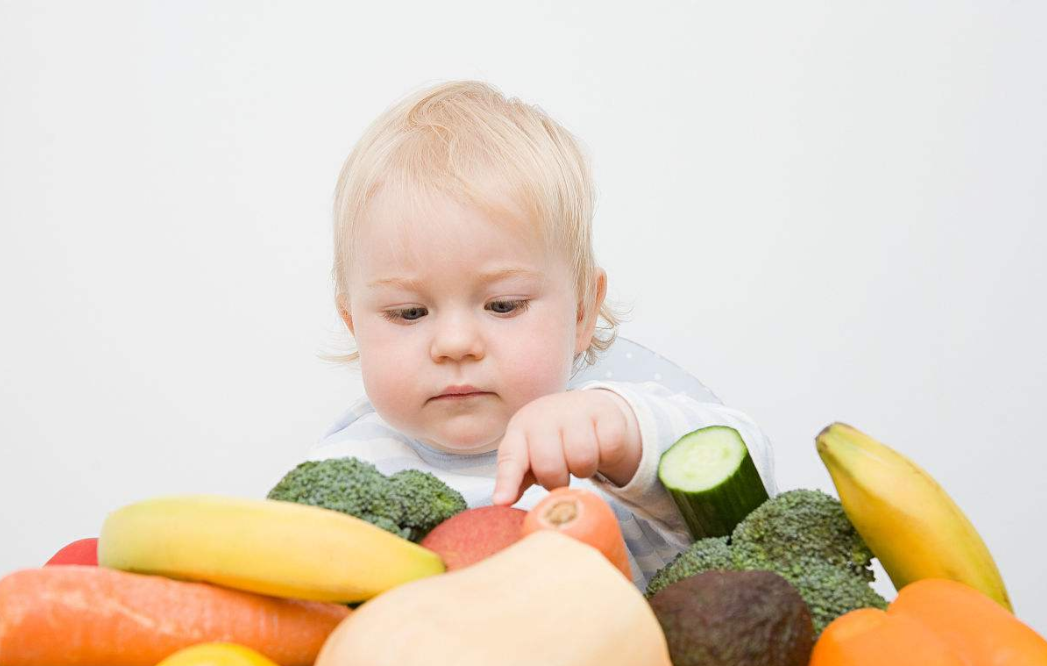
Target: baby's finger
x,y
527,482
513,464
610,438
545,449
581,450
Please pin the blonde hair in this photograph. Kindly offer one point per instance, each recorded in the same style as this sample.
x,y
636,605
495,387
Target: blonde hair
x,y
460,138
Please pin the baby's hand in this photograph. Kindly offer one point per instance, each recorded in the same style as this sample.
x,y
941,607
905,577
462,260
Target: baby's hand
x,y
574,432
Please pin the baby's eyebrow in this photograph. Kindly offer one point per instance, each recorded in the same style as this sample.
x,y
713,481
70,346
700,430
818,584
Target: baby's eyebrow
x,y
490,276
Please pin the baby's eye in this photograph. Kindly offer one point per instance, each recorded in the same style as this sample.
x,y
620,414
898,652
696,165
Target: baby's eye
x,y
506,307
405,314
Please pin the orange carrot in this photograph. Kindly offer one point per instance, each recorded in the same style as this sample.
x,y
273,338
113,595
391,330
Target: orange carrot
x,y
79,615
585,516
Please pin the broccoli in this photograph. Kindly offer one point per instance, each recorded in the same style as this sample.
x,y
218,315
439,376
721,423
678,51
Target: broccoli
x,y
409,503
831,591
801,522
427,501
703,555
802,535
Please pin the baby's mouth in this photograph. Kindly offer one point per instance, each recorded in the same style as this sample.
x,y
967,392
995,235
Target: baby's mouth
x,y
455,397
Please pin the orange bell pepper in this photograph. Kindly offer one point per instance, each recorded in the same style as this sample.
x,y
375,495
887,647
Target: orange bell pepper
x,y
933,622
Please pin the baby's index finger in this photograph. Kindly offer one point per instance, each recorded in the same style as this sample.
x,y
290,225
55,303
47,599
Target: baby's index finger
x,y
513,464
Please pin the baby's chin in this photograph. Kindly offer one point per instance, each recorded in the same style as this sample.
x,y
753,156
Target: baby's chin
x,y
464,441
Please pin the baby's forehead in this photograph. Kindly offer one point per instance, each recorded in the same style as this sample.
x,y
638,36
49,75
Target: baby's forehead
x,y
402,214
404,239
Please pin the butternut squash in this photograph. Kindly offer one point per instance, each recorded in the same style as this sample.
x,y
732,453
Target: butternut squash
x,y
547,599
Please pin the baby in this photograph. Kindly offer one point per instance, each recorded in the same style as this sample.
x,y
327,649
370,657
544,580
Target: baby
x,y
464,271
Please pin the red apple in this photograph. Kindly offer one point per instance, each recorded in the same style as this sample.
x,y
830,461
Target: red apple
x,y
474,534
82,551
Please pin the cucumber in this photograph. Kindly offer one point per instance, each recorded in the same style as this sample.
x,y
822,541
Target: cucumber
x,y
711,477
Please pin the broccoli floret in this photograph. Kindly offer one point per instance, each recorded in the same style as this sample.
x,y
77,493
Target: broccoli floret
x,y
800,525
425,501
348,485
703,555
409,503
831,591
802,535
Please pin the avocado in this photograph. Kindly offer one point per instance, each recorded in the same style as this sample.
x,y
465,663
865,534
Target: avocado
x,y
735,618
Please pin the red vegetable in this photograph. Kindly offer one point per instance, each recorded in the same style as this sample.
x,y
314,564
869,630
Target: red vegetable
x,y
475,534
82,551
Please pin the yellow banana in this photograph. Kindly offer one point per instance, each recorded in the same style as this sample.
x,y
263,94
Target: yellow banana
x,y
908,521
276,548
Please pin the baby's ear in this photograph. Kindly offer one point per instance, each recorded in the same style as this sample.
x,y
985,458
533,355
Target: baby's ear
x,y
344,312
587,320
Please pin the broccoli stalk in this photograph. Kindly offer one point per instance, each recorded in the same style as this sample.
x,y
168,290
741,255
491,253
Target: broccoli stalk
x,y
802,535
409,503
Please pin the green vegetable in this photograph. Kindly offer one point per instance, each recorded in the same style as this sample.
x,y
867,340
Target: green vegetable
x,y
711,477
734,618
831,591
409,503
801,525
704,555
802,535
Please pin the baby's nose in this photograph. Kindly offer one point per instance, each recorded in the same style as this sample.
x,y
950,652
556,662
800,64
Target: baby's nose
x,y
457,339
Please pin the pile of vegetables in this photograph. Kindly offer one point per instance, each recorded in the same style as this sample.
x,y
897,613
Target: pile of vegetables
x,y
952,608
802,535
241,581
341,565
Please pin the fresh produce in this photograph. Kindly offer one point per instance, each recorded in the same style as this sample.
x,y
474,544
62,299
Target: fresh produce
x,y
265,546
547,599
802,524
217,654
408,503
734,618
704,555
475,534
93,616
909,522
829,591
804,536
711,477
583,515
932,622
81,551
868,637
968,618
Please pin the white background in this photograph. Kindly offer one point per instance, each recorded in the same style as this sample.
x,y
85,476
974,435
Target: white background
x,y
825,211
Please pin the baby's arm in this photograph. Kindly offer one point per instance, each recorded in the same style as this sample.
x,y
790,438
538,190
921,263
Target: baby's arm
x,y
663,417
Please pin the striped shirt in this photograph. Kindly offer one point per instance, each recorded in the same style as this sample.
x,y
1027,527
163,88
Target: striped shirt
x,y
652,526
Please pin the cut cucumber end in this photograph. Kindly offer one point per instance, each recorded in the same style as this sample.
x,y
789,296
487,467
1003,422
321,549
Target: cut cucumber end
x,y
713,480
702,459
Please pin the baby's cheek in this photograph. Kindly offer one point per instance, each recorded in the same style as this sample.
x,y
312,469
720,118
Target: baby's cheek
x,y
534,370
387,381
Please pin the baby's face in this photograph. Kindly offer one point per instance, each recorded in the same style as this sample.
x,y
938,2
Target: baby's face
x,y
454,297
